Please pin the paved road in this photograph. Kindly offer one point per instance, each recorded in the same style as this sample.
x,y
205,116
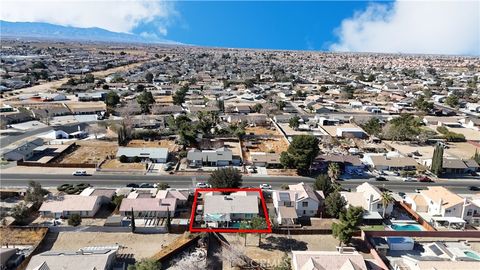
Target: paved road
x,y
109,180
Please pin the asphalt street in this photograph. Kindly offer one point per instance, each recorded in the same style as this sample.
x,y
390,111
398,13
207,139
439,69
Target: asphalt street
x,y
176,181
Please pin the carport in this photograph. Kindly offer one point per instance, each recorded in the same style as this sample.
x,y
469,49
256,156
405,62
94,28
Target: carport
x,y
449,222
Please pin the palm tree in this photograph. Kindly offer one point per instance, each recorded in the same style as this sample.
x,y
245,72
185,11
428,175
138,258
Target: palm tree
x,y
386,199
333,171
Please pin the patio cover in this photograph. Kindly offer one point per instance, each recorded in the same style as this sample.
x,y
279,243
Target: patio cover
x,y
217,217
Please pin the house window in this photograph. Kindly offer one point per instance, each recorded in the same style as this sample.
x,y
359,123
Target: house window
x,y
379,206
304,212
304,204
448,211
469,212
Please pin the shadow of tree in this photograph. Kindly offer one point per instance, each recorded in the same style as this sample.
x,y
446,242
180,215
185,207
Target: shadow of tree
x,y
359,245
282,243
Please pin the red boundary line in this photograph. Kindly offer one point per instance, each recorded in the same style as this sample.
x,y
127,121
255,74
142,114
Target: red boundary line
x,y
262,199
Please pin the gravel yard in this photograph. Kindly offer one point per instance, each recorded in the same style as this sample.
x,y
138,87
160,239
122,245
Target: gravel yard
x,y
140,245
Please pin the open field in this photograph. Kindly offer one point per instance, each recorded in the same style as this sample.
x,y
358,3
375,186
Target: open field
x,y
170,144
91,152
115,164
261,131
274,246
163,99
17,236
140,245
463,150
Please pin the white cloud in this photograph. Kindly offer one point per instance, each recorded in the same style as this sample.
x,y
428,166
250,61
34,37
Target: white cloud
x,y
436,27
113,15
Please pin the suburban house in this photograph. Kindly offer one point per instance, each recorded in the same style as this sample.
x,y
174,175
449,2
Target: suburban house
x,y
369,197
148,207
66,205
391,163
77,131
98,258
298,201
148,154
439,202
327,260
218,157
221,209
348,164
458,166
180,194
264,159
22,151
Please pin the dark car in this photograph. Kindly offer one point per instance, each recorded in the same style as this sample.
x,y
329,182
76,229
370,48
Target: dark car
x,y
146,185
402,194
132,185
474,188
380,178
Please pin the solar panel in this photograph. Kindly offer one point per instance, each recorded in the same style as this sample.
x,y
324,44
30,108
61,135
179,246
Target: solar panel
x,y
436,250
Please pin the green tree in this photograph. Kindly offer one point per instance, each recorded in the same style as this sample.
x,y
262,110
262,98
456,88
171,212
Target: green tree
x,y
162,186
146,264
403,128
476,156
179,95
300,153
145,99
149,77
294,122
35,193
323,183
386,198
112,99
225,178
257,107
335,204
74,220
140,88
452,101
348,225
423,105
334,171
20,212
373,126
89,78
437,160
259,223
168,224
132,224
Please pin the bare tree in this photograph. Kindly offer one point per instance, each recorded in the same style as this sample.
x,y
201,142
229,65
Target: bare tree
x,y
96,129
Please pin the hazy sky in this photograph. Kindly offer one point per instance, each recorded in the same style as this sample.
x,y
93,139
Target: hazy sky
x,y
436,26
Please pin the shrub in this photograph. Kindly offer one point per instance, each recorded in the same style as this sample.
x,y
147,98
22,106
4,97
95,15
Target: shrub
x,y
74,220
72,190
64,187
137,159
442,130
123,159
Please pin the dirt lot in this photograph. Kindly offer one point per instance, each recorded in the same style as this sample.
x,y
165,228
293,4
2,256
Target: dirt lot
x,y
164,99
261,131
274,246
115,164
91,152
140,245
464,150
170,144
282,172
19,236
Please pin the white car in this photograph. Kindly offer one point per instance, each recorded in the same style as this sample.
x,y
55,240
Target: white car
x,y
203,185
252,169
79,173
409,179
265,186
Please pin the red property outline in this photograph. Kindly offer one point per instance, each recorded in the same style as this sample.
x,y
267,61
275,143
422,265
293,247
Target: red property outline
x,y
262,199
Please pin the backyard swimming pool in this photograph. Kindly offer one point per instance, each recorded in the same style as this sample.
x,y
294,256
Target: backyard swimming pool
x,y
472,255
406,227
